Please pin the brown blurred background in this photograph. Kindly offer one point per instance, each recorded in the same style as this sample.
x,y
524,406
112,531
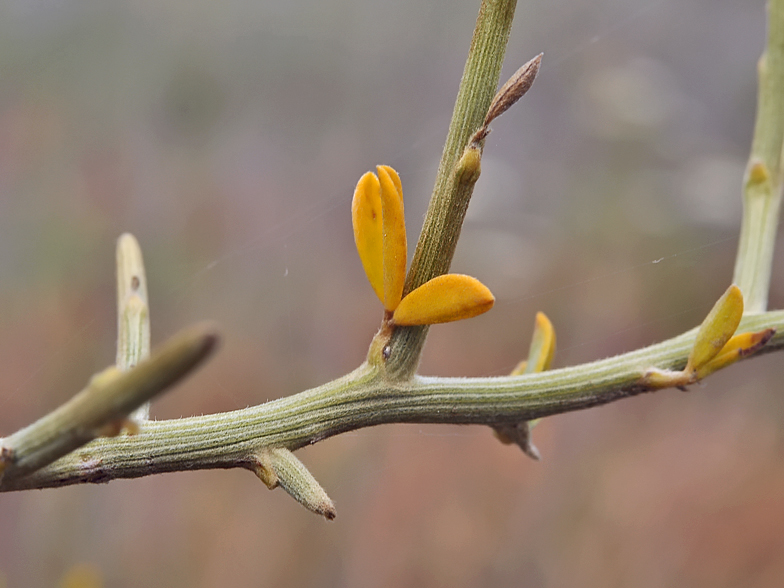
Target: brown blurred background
x,y
228,138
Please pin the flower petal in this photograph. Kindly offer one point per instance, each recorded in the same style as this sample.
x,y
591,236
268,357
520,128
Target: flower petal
x,y
717,328
394,236
737,347
368,235
542,350
395,178
450,297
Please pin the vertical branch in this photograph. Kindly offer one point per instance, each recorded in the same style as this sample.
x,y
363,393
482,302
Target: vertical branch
x,y
448,205
133,316
763,180
451,194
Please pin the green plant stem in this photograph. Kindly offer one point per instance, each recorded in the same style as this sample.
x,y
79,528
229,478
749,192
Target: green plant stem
x,y
133,314
449,201
389,391
366,398
107,400
763,180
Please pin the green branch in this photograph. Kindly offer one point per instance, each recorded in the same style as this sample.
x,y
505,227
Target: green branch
x,y
102,408
366,398
452,192
386,389
763,179
133,311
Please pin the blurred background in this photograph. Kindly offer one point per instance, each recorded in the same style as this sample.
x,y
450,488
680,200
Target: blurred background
x,y
228,138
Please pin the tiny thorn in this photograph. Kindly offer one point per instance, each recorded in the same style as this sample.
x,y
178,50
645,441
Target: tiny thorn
x,y
280,467
518,434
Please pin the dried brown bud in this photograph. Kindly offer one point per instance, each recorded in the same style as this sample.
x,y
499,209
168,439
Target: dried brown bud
x,y
514,89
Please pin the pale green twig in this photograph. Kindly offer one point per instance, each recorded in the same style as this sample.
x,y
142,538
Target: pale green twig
x,y
103,406
763,180
261,437
133,315
452,191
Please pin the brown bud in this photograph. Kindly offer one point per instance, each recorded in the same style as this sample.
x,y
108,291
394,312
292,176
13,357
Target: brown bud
x,y
514,89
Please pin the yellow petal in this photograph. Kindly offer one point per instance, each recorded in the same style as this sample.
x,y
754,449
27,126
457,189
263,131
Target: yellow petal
x,y
368,235
717,328
739,346
542,350
450,297
540,357
395,179
394,236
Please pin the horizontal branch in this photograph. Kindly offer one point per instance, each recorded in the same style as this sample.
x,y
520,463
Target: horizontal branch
x,y
365,398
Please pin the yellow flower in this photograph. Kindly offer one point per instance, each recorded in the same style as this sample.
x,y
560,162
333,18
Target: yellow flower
x,y
380,236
